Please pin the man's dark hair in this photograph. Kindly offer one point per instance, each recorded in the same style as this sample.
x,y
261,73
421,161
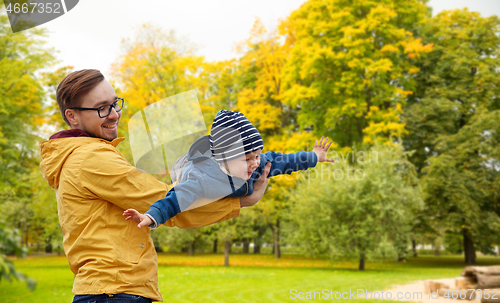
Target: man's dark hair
x,y
74,86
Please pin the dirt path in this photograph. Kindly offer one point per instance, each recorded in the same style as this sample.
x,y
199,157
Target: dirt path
x,y
414,292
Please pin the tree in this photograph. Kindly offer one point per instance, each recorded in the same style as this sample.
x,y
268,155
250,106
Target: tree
x,y
461,184
157,65
9,240
181,240
235,229
22,57
260,99
350,66
45,220
363,212
457,88
52,115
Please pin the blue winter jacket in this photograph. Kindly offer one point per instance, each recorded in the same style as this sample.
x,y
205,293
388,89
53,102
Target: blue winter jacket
x,y
202,177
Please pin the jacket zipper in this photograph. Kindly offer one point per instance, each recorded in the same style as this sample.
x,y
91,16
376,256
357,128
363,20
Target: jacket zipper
x,y
246,183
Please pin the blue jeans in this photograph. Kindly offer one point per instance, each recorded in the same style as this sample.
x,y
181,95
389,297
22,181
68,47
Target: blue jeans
x,y
118,298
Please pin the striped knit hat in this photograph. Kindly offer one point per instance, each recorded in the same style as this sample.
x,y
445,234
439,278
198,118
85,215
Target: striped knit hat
x,y
232,136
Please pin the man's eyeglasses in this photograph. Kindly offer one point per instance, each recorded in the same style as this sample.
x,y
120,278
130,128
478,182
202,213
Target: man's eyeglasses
x,y
105,110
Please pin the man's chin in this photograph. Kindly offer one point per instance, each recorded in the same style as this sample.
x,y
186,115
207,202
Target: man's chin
x,y
108,137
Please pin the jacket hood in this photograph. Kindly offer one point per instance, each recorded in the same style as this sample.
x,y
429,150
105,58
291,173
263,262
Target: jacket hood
x,y
200,150
57,150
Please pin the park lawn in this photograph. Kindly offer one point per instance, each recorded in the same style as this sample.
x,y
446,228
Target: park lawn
x,y
250,278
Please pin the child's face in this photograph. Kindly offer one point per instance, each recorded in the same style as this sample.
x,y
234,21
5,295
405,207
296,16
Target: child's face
x,y
243,167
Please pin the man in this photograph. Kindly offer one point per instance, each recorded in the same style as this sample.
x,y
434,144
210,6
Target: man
x,y
113,260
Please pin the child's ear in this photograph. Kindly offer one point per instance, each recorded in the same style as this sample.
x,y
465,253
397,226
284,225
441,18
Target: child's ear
x,y
226,166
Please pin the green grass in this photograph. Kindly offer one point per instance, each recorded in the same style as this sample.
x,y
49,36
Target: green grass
x,y
251,278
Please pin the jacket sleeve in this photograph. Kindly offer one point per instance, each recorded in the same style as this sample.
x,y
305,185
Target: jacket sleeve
x,y
106,174
213,212
288,163
178,199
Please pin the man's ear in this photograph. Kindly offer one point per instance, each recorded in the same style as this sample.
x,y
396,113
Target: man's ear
x,y
72,118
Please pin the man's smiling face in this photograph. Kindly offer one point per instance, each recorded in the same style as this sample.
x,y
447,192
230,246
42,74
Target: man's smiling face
x,y
89,120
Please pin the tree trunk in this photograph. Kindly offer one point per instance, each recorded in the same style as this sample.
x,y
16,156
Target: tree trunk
x,y
26,236
414,246
360,129
156,242
256,248
257,241
215,246
191,249
469,249
48,245
362,262
227,247
436,250
158,248
276,246
246,246
400,257
48,248
276,239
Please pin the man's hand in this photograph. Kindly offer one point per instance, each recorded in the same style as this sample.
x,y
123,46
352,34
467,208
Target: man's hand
x,y
259,187
321,149
132,214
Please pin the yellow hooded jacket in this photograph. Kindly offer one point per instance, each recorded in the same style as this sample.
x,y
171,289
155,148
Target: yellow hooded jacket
x,y
94,184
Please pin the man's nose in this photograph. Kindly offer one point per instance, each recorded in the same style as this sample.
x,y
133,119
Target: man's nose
x,y
113,115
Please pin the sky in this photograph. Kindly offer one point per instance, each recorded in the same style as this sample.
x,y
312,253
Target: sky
x,y
90,35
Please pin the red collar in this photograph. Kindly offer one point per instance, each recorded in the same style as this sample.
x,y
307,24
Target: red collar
x,y
69,134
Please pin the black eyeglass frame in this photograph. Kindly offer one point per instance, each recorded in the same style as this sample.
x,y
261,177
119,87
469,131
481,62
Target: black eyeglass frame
x,y
98,109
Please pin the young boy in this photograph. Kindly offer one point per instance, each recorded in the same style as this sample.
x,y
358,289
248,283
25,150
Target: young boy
x,y
226,163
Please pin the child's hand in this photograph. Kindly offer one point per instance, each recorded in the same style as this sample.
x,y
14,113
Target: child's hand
x,y
133,214
321,149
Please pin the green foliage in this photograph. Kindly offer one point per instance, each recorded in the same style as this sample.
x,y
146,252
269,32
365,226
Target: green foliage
x,y
9,240
366,214
359,71
457,80
461,184
22,57
453,243
175,239
259,88
52,113
350,67
237,228
451,123
21,98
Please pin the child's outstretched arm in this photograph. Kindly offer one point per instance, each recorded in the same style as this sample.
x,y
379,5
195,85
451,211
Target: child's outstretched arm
x,y
142,220
321,149
182,196
288,163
